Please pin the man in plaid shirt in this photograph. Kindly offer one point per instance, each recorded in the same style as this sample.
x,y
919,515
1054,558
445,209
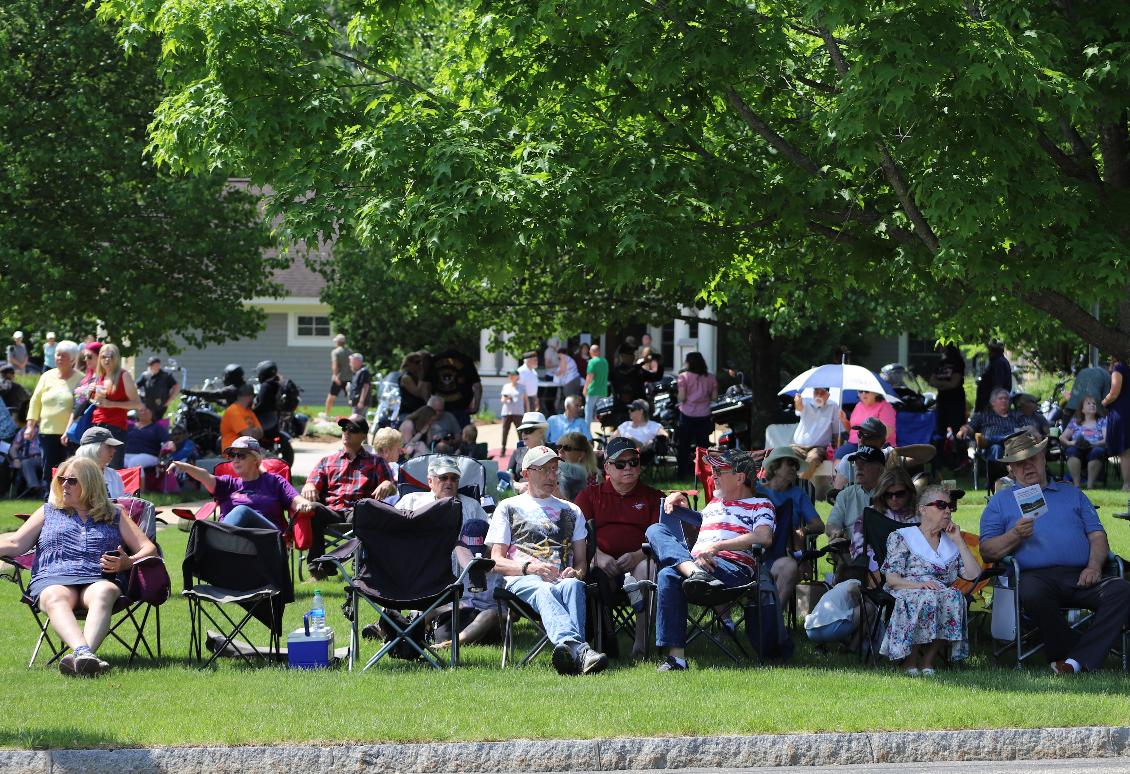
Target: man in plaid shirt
x,y
339,481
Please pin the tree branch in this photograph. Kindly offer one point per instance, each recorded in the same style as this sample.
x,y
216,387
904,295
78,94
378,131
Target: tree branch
x,y
783,146
1114,144
1067,165
1079,320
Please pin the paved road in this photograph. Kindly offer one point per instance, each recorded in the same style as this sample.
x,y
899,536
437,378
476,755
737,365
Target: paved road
x,y
1077,766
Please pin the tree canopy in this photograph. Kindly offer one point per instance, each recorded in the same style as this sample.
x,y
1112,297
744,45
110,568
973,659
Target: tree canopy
x,y
90,230
966,163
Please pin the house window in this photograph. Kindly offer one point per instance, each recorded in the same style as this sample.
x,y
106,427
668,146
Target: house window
x,y
313,326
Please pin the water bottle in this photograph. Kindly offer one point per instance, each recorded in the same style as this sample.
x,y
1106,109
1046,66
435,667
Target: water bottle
x,y
555,557
317,612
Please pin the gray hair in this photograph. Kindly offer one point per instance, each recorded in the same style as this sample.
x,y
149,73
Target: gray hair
x,y
437,402
67,347
997,393
574,401
339,339
357,356
89,451
933,492
571,479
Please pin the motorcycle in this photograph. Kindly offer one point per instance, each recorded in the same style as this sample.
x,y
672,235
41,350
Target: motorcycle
x,y
200,421
733,409
913,397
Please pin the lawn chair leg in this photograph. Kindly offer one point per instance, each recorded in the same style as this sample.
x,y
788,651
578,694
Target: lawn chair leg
x,y
354,634
507,635
455,633
157,623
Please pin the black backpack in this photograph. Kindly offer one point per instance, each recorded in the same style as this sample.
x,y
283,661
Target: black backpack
x,y
288,396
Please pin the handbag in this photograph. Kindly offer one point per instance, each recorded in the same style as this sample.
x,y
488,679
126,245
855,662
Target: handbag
x,y
81,425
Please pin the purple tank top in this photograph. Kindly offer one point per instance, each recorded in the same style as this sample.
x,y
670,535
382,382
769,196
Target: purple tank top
x,y
69,545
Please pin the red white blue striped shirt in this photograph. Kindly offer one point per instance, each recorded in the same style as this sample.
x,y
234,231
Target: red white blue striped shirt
x,y
725,519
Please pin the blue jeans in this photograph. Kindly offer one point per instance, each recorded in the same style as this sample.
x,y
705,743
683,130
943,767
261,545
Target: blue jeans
x,y
561,605
590,409
670,550
845,450
243,516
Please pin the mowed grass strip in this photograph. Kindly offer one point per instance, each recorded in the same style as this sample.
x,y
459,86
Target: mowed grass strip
x,y
171,702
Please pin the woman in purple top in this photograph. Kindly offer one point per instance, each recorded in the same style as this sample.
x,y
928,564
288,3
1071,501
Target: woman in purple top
x,y
697,390
80,538
1117,402
250,498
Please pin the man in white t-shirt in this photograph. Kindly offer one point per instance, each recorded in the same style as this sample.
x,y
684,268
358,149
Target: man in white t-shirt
x,y
818,427
479,613
528,378
539,544
732,523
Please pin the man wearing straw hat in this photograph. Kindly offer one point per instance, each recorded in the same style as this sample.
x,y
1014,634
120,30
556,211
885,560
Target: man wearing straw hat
x,y
1053,531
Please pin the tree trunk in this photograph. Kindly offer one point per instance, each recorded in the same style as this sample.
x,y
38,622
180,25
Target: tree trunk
x,y
1112,340
764,378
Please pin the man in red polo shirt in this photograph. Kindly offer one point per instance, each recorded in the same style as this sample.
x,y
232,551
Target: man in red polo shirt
x,y
622,508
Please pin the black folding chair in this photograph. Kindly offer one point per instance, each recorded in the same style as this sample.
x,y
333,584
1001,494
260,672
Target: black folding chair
x,y
876,529
403,561
241,566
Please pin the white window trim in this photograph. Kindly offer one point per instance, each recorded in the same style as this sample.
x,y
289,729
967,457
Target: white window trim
x,y
294,340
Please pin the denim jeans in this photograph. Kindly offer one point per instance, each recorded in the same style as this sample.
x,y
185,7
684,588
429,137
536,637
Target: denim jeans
x,y
561,605
846,449
243,516
670,550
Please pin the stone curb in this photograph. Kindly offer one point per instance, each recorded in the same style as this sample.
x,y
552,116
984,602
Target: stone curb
x,y
731,752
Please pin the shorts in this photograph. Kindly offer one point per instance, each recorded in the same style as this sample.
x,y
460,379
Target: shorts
x,y
336,389
36,587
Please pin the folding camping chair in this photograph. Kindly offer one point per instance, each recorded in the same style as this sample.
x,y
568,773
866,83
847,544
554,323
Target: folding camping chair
x,y
1014,631
237,565
413,477
403,562
876,529
147,588
621,613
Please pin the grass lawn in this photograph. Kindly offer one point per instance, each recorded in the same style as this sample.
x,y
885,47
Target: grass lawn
x,y
172,702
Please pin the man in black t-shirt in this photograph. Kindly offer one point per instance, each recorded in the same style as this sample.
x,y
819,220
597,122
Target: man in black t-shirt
x,y
360,385
454,378
157,387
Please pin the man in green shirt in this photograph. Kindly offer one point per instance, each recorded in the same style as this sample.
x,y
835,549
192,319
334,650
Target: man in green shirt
x,y
340,372
596,381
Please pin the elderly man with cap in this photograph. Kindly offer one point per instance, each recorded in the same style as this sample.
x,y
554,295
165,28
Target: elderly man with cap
x,y
819,427
780,487
99,444
238,418
848,509
540,545
339,481
157,387
252,497
479,612
1061,548
622,507
873,433
17,352
733,522
528,378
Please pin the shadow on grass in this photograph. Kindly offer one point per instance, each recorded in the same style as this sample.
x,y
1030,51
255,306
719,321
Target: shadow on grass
x,y
51,736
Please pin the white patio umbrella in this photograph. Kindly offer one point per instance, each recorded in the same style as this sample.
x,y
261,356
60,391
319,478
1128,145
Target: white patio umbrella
x,y
847,379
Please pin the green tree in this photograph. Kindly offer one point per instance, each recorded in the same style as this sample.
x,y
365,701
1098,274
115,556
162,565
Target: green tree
x,y
953,156
90,230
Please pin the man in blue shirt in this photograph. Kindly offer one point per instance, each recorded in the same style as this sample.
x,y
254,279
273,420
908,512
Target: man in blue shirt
x,y
1061,554
572,421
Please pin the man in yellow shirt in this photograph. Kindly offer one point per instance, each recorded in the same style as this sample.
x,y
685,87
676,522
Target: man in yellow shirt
x,y
239,419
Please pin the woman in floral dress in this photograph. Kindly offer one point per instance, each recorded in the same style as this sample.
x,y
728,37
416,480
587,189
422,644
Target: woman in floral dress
x,y
922,563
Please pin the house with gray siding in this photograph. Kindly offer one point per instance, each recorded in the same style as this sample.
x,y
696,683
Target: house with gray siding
x,y
298,337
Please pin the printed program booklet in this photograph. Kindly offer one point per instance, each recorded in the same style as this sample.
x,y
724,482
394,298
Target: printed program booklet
x,y
1031,501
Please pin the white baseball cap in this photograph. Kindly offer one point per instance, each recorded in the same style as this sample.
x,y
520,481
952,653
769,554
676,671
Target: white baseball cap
x,y
538,456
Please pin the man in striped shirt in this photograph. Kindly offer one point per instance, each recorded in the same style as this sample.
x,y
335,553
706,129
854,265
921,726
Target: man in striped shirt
x,y
722,557
994,424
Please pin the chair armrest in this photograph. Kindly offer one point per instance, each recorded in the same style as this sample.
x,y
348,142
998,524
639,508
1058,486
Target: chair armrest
x,y
339,557
476,573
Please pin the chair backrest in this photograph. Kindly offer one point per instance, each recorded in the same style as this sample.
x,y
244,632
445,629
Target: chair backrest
x,y
142,512
413,476
779,435
973,587
782,531
914,427
876,529
703,473
407,555
132,479
237,558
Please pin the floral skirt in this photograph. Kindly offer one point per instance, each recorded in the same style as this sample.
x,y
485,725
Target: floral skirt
x,y
923,615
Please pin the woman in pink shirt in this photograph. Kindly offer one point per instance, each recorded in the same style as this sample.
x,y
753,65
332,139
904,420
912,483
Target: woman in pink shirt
x,y
697,390
871,404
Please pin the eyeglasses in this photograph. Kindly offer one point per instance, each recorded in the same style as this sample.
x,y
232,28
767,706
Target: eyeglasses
x,y
527,431
942,505
67,480
621,464
568,448
895,493
449,478
237,455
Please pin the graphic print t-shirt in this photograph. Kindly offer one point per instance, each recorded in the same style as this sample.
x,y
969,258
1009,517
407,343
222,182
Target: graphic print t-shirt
x,y
537,528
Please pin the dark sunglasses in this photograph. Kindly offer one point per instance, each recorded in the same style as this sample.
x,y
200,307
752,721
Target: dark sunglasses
x,y
67,480
621,464
449,477
568,448
527,431
237,455
943,505
895,493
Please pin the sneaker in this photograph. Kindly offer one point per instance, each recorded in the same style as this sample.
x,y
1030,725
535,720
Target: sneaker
x,y
89,665
591,661
563,660
670,665
928,671
67,665
1062,668
702,588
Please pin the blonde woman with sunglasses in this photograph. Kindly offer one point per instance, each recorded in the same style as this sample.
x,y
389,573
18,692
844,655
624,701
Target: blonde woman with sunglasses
x,y
83,547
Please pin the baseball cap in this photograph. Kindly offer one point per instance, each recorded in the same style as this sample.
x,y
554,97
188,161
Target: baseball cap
x,y
868,454
99,435
512,372
871,426
528,355
441,464
358,425
638,404
618,446
152,360
245,443
732,459
538,456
